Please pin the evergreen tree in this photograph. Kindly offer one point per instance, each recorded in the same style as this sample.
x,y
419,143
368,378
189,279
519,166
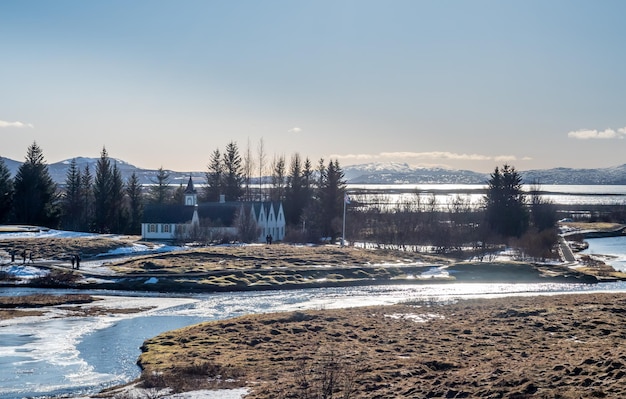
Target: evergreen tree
x,y
35,197
277,192
506,213
324,213
102,191
233,173
296,193
118,210
86,193
135,204
72,203
160,191
214,178
307,176
6,192
331,196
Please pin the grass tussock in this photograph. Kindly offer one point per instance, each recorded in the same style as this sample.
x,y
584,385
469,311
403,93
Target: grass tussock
x,y
568,346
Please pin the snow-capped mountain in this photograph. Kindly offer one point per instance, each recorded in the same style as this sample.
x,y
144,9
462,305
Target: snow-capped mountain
x,y
398,173
58,170
371,173
389,173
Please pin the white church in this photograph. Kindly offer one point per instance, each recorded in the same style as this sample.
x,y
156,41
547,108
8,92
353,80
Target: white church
x,y
168,222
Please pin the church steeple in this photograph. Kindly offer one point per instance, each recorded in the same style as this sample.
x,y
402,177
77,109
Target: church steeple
x,y
191,196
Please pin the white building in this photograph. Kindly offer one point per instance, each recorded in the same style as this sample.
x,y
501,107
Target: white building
x,y
167,222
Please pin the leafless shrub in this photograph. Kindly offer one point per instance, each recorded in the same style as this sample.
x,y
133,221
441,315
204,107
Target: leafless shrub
x,y
56,278
324,375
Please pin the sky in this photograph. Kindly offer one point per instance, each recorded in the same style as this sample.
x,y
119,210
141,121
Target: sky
x,y
458,84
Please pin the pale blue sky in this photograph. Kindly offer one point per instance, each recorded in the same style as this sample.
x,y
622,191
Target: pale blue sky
x,y
469,84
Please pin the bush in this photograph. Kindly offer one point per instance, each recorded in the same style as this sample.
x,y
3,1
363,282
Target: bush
x,y
56,278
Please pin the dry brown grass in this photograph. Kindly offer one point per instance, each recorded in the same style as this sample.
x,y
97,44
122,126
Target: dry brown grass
x,y
264,257
22,306
63,248
15,306
568,347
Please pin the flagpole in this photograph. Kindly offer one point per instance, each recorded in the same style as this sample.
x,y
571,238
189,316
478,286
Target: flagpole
x,y
343,231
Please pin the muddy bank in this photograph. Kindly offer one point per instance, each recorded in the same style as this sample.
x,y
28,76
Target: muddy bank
x,y
566,346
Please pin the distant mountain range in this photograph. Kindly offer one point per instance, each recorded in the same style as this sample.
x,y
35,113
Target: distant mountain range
x,y
390,173
372,173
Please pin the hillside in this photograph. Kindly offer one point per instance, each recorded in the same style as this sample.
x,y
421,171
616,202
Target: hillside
x,y
371,173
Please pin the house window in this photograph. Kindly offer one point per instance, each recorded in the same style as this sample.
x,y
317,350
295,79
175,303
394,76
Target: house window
x,y
152,228
165,228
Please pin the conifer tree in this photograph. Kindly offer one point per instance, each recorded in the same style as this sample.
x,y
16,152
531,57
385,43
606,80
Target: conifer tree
x,y
135,204
323,213
277,191
214,177
233,173
72,203
35,196
505,203
160,191
331,197
102,192
296,193
86,194
6,192
118,210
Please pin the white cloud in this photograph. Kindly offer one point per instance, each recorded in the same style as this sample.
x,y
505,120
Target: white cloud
x,y
425,155
587,134
15,124
294,130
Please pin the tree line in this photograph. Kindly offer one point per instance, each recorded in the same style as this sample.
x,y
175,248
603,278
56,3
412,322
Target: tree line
x,y
312,196
101,201
507,215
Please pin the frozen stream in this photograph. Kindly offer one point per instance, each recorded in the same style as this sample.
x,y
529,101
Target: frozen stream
x,y
78,356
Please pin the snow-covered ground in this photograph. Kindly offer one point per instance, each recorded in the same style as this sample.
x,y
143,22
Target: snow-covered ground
x,y
96,266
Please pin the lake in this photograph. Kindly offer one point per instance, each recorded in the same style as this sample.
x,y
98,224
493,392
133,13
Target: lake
x,y
474,193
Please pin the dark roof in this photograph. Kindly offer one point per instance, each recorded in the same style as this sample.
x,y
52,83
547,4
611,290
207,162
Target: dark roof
x,y
222,213
219,213
167,214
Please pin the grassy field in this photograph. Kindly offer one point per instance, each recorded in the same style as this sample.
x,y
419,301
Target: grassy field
x,y
568,347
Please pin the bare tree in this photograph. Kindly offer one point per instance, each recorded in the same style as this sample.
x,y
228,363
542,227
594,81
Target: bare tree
x,y
248,166
262,160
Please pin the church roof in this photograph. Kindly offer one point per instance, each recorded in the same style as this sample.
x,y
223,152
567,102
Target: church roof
x,y
220,214
190,189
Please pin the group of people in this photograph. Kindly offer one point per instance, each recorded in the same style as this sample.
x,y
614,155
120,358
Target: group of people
x,y
268,239
24,256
